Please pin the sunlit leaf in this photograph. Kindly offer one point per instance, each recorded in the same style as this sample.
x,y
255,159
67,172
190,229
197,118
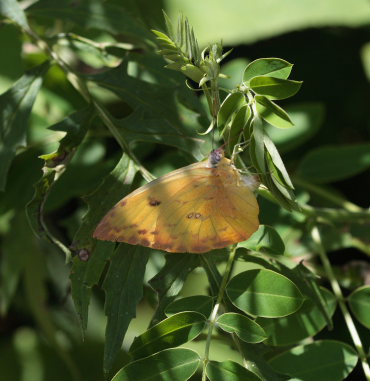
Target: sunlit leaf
x,y
264,293
274,88
171,332
246,329
272,113
315,361
230,371
12,10
169,365
272,67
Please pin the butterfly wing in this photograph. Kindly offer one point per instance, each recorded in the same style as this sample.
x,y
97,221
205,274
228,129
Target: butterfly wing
x,y
194,209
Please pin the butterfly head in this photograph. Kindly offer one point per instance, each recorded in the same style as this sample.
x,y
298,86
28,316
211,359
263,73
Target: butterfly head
x,y
215,157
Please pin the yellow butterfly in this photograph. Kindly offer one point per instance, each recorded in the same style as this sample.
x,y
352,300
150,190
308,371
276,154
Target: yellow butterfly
x,y
195,209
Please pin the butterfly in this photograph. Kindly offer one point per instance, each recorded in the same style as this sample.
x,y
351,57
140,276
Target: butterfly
x,y
195,209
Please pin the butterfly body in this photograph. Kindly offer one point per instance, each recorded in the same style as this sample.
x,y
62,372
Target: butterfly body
x,y
198,208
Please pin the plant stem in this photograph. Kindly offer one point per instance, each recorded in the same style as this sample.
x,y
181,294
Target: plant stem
x,y
339,295
212,319
330,196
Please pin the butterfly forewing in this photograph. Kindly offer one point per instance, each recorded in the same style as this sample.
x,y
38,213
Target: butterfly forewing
x,y
194,209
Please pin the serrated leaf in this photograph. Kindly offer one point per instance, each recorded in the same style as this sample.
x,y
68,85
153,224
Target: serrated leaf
x,y
76,126
169,281
245,328
123,286
202,304
12,10
306,322
275,88
359,302
169,365
230,105
265,240
315,361
264,293
272,67
334,163
272,113
113,187
91,14
15,108
171,332
230,371
86,274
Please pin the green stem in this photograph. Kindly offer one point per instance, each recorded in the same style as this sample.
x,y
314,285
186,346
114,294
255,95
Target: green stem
x,y
212,319
339,295
330,196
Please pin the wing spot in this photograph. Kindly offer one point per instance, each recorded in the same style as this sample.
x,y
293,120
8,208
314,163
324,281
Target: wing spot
x,y
190,215
144,242
154,232
131,226
122,203
197,215
154,202
142,231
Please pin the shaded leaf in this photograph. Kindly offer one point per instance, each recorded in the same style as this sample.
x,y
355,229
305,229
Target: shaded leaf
x,y
359,302
169,281
230,105
91,14
272,67
334,163
169,365
264,293
123,286
171,332
315,361
245,328
307,321
202,304
272,113
15,108
265,240
230,371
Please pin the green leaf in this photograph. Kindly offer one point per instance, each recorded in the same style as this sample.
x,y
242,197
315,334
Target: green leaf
x,y
315,361
114,187
86,274
171,332
359,302
334,163
307,119
12,10
265,240
169,365
15,245
162,120
271,67
306,322
91,14
76,126
245,328
277,161
202,304
257,146
123,286
230,371
274,88
264,293
272,113
240,121
15,108
169,281
230,105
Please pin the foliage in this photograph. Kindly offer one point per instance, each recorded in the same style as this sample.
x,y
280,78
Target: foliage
x,y
89,113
